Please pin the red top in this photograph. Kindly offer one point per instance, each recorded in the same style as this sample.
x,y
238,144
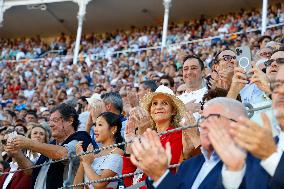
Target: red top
x,y
19,181
175,140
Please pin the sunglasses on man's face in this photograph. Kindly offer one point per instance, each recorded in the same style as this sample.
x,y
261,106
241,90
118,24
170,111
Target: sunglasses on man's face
x,y
277,60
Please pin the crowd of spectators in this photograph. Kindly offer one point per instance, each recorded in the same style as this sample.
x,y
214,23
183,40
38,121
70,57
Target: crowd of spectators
x,y
51,108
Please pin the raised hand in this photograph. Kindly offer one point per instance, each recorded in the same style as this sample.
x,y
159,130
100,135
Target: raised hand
x,y
97,107
153,165
191,106
141,118
22,142
260,79
254,138
133,99
238,82
190,136
88,158
231,154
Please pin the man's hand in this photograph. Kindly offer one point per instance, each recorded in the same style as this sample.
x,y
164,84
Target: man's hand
x,y
238,82
11,150
260,79
150,156
255,139
21,142
191,106
232,155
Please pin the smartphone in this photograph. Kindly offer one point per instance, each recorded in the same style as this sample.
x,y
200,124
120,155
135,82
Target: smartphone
x,y
244,58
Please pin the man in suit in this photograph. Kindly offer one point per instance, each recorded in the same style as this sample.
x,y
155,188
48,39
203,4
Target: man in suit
x,y
268,160
202,171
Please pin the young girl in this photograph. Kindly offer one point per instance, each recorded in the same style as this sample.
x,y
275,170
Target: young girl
x,y
106,163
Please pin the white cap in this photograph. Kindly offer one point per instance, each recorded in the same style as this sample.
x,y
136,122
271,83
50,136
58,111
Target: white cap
x,y
93,98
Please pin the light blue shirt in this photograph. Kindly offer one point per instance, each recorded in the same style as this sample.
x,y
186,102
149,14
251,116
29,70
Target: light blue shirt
x,y
252,94
207,166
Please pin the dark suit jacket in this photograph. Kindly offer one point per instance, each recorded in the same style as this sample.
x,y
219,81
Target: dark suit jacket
x,y
277,181
18,181
256,176
187,174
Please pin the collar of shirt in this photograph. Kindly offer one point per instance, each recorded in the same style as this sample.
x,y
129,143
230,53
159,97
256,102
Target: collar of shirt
x,y
13,166
196,95
214,156
281,141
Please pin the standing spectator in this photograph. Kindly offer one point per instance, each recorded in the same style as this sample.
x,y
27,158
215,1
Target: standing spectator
x,y
193,71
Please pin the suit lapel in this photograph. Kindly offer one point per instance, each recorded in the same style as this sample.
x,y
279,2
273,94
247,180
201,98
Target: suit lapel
x,y
212,176
194,168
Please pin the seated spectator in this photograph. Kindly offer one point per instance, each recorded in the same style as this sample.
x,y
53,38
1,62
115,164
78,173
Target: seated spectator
x,y
107,163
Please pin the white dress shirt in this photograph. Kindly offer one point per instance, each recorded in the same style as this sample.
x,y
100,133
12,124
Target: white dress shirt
x,y
195,96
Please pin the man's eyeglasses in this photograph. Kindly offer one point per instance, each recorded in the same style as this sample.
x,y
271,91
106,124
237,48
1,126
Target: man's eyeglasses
x,y
203,118
277,60
266,54
227,58
55,120
276,85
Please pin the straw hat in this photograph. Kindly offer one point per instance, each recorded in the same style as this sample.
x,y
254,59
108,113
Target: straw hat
x,y
145,102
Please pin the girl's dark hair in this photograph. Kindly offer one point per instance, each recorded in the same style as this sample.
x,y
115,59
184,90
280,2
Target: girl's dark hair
x,y
114,120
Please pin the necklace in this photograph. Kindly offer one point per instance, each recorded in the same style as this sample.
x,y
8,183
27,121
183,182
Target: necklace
x,y
106,157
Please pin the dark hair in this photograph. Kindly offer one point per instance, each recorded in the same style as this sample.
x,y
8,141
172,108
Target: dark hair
x,y
31,112
264,37
5,164
150,84
67,112
216,59
84,99
112,121
201,63
115,99
217,92
169,78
